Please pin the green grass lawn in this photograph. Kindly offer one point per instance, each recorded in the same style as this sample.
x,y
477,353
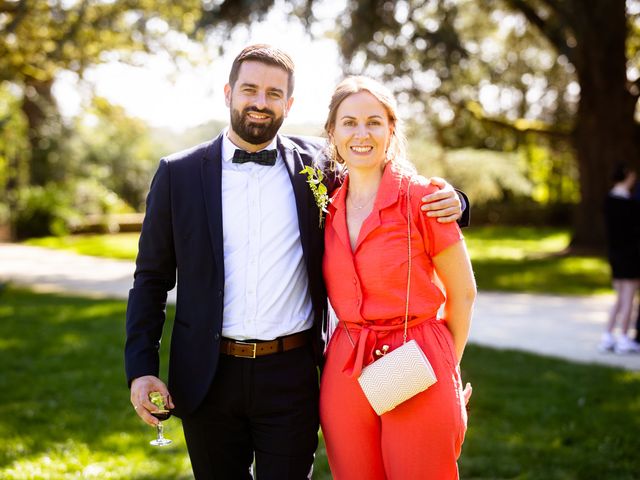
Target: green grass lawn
x,y
528,259
518,259
120,245
65,411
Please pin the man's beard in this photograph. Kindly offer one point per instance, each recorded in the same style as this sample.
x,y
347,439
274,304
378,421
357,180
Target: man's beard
x,y
251,132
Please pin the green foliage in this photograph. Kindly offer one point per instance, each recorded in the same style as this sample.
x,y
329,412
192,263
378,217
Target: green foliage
x,y
67,414
92,197
487,175
42,211
552,171
115,150
14,152
57,209
319,190
107,168
40,39
499,72
484,175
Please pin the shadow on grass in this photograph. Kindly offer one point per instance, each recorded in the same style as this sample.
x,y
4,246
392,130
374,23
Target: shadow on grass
x,y
534,417
64,398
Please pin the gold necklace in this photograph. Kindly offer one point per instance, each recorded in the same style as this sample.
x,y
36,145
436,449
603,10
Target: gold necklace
x,y
364,204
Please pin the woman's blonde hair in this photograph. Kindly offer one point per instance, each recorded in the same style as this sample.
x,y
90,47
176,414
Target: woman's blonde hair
x,y
397,150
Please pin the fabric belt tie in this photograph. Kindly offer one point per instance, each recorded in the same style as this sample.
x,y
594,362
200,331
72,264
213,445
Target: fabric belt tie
x,y
258,348
367,339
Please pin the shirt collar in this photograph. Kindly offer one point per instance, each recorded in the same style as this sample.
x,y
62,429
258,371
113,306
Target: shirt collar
x,y
229,148
388,191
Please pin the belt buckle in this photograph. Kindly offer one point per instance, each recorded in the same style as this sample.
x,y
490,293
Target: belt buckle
x,y
255,348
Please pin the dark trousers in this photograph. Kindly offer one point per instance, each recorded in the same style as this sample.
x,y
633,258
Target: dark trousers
x,y
267,407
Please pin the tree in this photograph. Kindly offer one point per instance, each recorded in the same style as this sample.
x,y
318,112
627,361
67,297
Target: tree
x,y
597,41
580,57
559,68
40,39
593,37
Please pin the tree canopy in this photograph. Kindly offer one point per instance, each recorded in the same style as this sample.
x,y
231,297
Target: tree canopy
x,y
566,71
502,75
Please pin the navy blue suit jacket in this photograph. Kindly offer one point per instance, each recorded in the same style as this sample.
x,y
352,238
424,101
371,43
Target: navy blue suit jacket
x,y
182,234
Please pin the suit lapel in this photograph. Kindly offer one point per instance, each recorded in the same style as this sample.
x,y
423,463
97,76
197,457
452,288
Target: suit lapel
x,y
211,171
301,191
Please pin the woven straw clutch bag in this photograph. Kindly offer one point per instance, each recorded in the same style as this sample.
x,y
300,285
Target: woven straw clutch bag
x,y
396,377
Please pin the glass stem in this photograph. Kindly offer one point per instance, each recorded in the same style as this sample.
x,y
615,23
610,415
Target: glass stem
x,y
160,429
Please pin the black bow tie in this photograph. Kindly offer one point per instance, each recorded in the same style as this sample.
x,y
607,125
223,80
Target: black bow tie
x,y
263,157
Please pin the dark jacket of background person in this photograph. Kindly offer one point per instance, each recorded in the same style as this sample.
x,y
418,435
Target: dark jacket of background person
x,y
622,220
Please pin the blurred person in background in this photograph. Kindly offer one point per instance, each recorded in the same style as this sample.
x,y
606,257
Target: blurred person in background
x,y
636,197
622,220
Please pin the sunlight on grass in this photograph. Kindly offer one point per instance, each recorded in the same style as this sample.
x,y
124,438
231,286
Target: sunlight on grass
x,y
522,259
514,243
506,242
73,460
122,246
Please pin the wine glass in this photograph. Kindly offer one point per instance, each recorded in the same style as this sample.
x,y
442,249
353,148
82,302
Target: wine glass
x,y
161,414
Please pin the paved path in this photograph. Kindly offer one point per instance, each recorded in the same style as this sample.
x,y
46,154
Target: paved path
x,y
566,327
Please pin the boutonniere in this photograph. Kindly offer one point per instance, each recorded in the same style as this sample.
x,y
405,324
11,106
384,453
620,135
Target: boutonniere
x,y
319,189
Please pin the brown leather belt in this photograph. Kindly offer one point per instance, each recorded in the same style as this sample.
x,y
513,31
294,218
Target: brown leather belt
x,y
259,348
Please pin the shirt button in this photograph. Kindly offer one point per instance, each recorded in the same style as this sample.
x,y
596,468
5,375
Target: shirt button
x,y
216,337
355,281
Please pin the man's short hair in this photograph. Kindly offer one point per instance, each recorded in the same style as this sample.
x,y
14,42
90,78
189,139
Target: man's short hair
x,y
264,54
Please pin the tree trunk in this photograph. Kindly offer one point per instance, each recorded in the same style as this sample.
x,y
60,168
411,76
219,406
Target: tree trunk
x,y
605,126
44,130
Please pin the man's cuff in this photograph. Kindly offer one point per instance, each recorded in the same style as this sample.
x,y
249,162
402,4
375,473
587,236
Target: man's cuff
x,y
465,218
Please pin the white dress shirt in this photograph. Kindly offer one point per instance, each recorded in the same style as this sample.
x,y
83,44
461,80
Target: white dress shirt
x,y
266,293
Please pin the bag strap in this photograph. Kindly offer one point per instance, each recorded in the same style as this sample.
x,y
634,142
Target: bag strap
x,y
406,307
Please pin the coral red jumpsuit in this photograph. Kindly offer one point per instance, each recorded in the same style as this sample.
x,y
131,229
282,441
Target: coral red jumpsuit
x,y
421,438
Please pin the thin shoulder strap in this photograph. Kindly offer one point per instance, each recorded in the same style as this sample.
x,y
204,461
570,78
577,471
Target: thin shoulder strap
x,y
406,308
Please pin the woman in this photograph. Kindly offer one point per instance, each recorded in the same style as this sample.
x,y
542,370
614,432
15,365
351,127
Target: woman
x,y
365,268
622,217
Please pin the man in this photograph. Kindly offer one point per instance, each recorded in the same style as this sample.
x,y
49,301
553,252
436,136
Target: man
x,y
245,242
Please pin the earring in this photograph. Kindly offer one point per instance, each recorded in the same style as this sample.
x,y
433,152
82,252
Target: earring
x,y
389,152
332,154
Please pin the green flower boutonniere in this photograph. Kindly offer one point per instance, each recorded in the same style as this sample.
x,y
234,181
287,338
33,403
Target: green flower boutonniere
x,y
319,189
